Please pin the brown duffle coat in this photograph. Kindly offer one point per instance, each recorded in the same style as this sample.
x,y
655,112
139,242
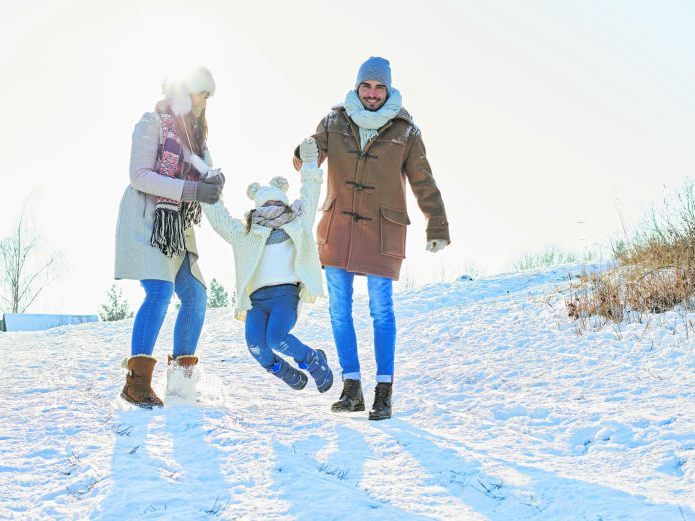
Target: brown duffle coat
x,y
364,221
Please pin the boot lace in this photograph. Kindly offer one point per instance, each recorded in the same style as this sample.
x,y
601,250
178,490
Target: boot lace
x,y
351,388
381,394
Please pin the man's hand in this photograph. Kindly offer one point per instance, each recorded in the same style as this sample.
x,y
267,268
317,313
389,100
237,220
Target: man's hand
x,y
436,245
308,151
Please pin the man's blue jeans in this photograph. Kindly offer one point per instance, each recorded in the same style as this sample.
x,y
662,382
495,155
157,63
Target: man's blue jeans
x,y
272,316
189,321
340,283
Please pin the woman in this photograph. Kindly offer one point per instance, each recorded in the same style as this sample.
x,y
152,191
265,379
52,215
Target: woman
x,y
155,238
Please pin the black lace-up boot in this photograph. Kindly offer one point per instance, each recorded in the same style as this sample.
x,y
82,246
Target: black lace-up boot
x,y
381,410
351,399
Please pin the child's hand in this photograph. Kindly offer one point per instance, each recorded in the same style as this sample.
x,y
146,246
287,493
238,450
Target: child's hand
x,y
308,151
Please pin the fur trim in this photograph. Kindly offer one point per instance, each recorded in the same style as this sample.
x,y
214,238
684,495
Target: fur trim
x,y
178,87
124,362
181,104
201,166
142,356
201,80
171,358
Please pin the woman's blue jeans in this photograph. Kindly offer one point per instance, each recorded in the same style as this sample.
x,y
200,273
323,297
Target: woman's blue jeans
x,y
340,283
272,316
189,321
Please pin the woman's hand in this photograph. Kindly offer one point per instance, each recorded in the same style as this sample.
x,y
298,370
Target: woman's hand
x,y
203,191
215,177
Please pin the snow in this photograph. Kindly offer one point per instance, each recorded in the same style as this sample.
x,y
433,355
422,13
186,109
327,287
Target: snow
x,y
38,322
502,411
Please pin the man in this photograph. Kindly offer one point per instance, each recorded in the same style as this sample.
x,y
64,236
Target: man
x,y
372,146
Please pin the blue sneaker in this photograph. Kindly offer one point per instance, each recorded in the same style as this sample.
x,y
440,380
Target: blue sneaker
x,y
317,365
288,374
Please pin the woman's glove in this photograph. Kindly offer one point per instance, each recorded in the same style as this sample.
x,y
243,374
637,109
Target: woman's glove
x,y
209,175
202,191
215,177
308,151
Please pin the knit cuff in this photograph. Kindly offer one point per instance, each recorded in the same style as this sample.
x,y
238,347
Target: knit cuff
x,y
438,234
311,172
438,228
189,190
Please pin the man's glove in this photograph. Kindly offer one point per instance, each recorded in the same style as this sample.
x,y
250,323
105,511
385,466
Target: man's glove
x,y
436,244
308,151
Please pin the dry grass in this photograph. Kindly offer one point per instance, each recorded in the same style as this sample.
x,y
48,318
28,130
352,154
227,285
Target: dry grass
x,y
655,270
552,257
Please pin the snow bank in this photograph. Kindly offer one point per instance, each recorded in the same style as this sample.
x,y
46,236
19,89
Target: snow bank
x,y
502,412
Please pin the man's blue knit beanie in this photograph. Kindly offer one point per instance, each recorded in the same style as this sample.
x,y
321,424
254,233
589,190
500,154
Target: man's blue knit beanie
x,y
375,69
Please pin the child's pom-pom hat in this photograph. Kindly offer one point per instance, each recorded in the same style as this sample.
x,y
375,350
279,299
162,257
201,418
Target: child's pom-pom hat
x,y
275,192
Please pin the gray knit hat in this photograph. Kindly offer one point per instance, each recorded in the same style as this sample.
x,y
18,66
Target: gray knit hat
x,y
375,69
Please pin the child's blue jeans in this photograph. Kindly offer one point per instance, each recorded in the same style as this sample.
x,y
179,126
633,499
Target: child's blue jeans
x,y
380,289
272,316
189,321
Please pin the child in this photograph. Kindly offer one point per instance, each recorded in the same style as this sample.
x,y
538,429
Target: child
x,y
277,266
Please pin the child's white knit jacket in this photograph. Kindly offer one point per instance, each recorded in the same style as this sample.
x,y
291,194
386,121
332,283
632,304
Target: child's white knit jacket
x,y
248,248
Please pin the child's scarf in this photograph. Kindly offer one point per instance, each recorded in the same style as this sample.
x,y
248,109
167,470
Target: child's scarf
x,y
172,217
276,216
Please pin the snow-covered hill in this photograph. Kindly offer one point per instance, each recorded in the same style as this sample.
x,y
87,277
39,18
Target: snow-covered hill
x,y
502,412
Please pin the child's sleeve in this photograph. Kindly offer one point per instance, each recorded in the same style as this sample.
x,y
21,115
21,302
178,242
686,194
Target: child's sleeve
x,y
228,227
310,191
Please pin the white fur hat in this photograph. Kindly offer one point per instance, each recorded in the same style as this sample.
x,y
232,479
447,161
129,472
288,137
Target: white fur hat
x,y
277,191
178,87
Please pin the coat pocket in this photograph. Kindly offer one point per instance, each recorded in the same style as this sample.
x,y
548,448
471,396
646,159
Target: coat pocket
x,y
324,226
393,228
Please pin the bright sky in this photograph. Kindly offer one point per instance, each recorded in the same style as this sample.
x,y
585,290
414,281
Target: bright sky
x,y
545,121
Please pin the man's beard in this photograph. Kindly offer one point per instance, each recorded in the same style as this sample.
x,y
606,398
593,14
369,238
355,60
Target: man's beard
x,y
366,103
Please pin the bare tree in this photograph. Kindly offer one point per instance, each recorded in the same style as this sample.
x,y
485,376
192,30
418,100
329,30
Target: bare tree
x,y
25,272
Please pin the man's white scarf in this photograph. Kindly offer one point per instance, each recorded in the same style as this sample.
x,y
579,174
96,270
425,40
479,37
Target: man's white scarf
x,y
370,121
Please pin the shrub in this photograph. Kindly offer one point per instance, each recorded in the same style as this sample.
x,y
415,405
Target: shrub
x,y
116,307
217,295
655,268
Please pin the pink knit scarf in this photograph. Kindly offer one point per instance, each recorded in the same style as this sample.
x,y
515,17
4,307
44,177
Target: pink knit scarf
x,y
172,217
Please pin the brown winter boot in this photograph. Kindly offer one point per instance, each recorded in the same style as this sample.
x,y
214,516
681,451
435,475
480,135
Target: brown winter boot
x,y
185,362
138,382
181,380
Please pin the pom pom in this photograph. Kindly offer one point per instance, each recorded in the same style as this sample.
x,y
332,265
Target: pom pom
x,y
280,182
252,189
